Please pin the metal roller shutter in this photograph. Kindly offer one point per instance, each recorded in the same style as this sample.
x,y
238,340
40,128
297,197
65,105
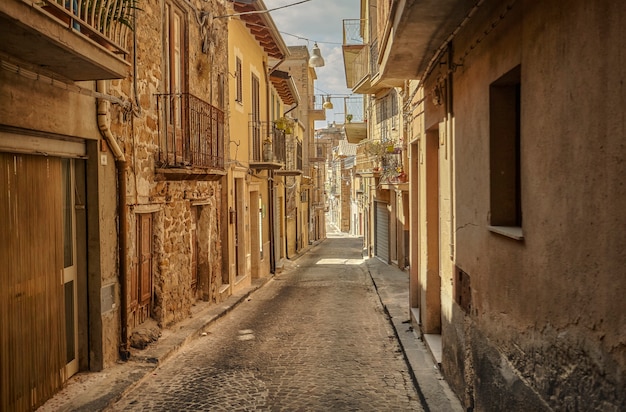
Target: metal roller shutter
x,y
381,232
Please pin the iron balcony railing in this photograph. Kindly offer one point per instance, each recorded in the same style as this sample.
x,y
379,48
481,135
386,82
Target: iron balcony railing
x,y
267,142
373,59
361,66
293,154
318,151
354,31
354,108
106,22
366,63
191,132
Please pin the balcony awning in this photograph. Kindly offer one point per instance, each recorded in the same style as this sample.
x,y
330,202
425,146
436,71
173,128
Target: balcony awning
x,y
285,87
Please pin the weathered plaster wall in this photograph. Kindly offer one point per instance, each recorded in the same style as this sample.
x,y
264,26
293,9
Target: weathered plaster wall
x,y
546,326
34,104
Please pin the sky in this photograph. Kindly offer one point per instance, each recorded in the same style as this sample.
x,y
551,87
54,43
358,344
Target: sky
x,y
319,21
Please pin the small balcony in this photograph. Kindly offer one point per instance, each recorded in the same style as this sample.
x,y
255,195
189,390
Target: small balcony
x,y
191,138
293,162
353,46
366,162
319,151
77,39
316,111
355,126
267,145
417,32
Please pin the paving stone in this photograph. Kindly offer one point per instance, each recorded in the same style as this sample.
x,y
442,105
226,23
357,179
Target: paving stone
x,y
314,339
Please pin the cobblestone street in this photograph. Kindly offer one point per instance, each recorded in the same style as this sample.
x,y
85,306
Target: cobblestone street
x,y
315,338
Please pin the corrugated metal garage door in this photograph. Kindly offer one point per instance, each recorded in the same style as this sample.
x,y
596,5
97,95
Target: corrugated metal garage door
x,y
32,299
381,232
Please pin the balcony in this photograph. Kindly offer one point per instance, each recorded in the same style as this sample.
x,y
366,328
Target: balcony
x,y
366,162
293,162
267,145
316,111
355,126
353,47
78,39
417,31
191,138
319,151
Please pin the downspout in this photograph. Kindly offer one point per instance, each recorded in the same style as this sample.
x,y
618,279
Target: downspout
x,y
120,161
292,109
270,176
270,173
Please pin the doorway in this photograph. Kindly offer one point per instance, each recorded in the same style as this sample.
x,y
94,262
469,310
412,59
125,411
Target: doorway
x,y
431,280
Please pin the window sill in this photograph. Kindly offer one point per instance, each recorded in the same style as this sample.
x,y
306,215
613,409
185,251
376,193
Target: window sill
x,y
512,232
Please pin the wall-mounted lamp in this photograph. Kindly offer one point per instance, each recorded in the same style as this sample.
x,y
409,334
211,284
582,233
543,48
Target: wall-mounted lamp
x,y
316,60
327,104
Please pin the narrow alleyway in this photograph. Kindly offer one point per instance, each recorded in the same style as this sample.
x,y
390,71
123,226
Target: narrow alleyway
x,y
315,338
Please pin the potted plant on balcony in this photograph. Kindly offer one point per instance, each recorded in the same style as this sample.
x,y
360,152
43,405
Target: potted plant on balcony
x,y
281,123
349,118
402,177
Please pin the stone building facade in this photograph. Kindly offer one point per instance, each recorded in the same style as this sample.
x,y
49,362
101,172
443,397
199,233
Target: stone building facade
x,y
123,153
512,118
173,140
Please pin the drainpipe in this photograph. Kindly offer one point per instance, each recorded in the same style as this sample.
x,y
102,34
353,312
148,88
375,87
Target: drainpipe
x,y
120,161
292,109
270,174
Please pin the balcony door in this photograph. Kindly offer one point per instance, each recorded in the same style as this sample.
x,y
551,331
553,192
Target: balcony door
x,y
174,49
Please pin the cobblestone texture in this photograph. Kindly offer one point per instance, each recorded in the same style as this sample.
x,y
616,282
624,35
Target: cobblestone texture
x,y
314,339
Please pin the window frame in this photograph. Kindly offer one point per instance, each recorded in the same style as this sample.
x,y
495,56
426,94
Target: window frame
x,y
505,175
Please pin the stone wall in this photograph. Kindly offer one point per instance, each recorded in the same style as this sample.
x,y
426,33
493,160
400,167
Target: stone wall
x,y
171,202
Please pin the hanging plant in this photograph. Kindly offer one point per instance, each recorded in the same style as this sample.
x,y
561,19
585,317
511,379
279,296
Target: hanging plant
x,y
374,148
107,12
281,123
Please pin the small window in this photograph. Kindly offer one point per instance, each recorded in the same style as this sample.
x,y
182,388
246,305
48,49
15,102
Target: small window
x,y
221,87
238,77
504,147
